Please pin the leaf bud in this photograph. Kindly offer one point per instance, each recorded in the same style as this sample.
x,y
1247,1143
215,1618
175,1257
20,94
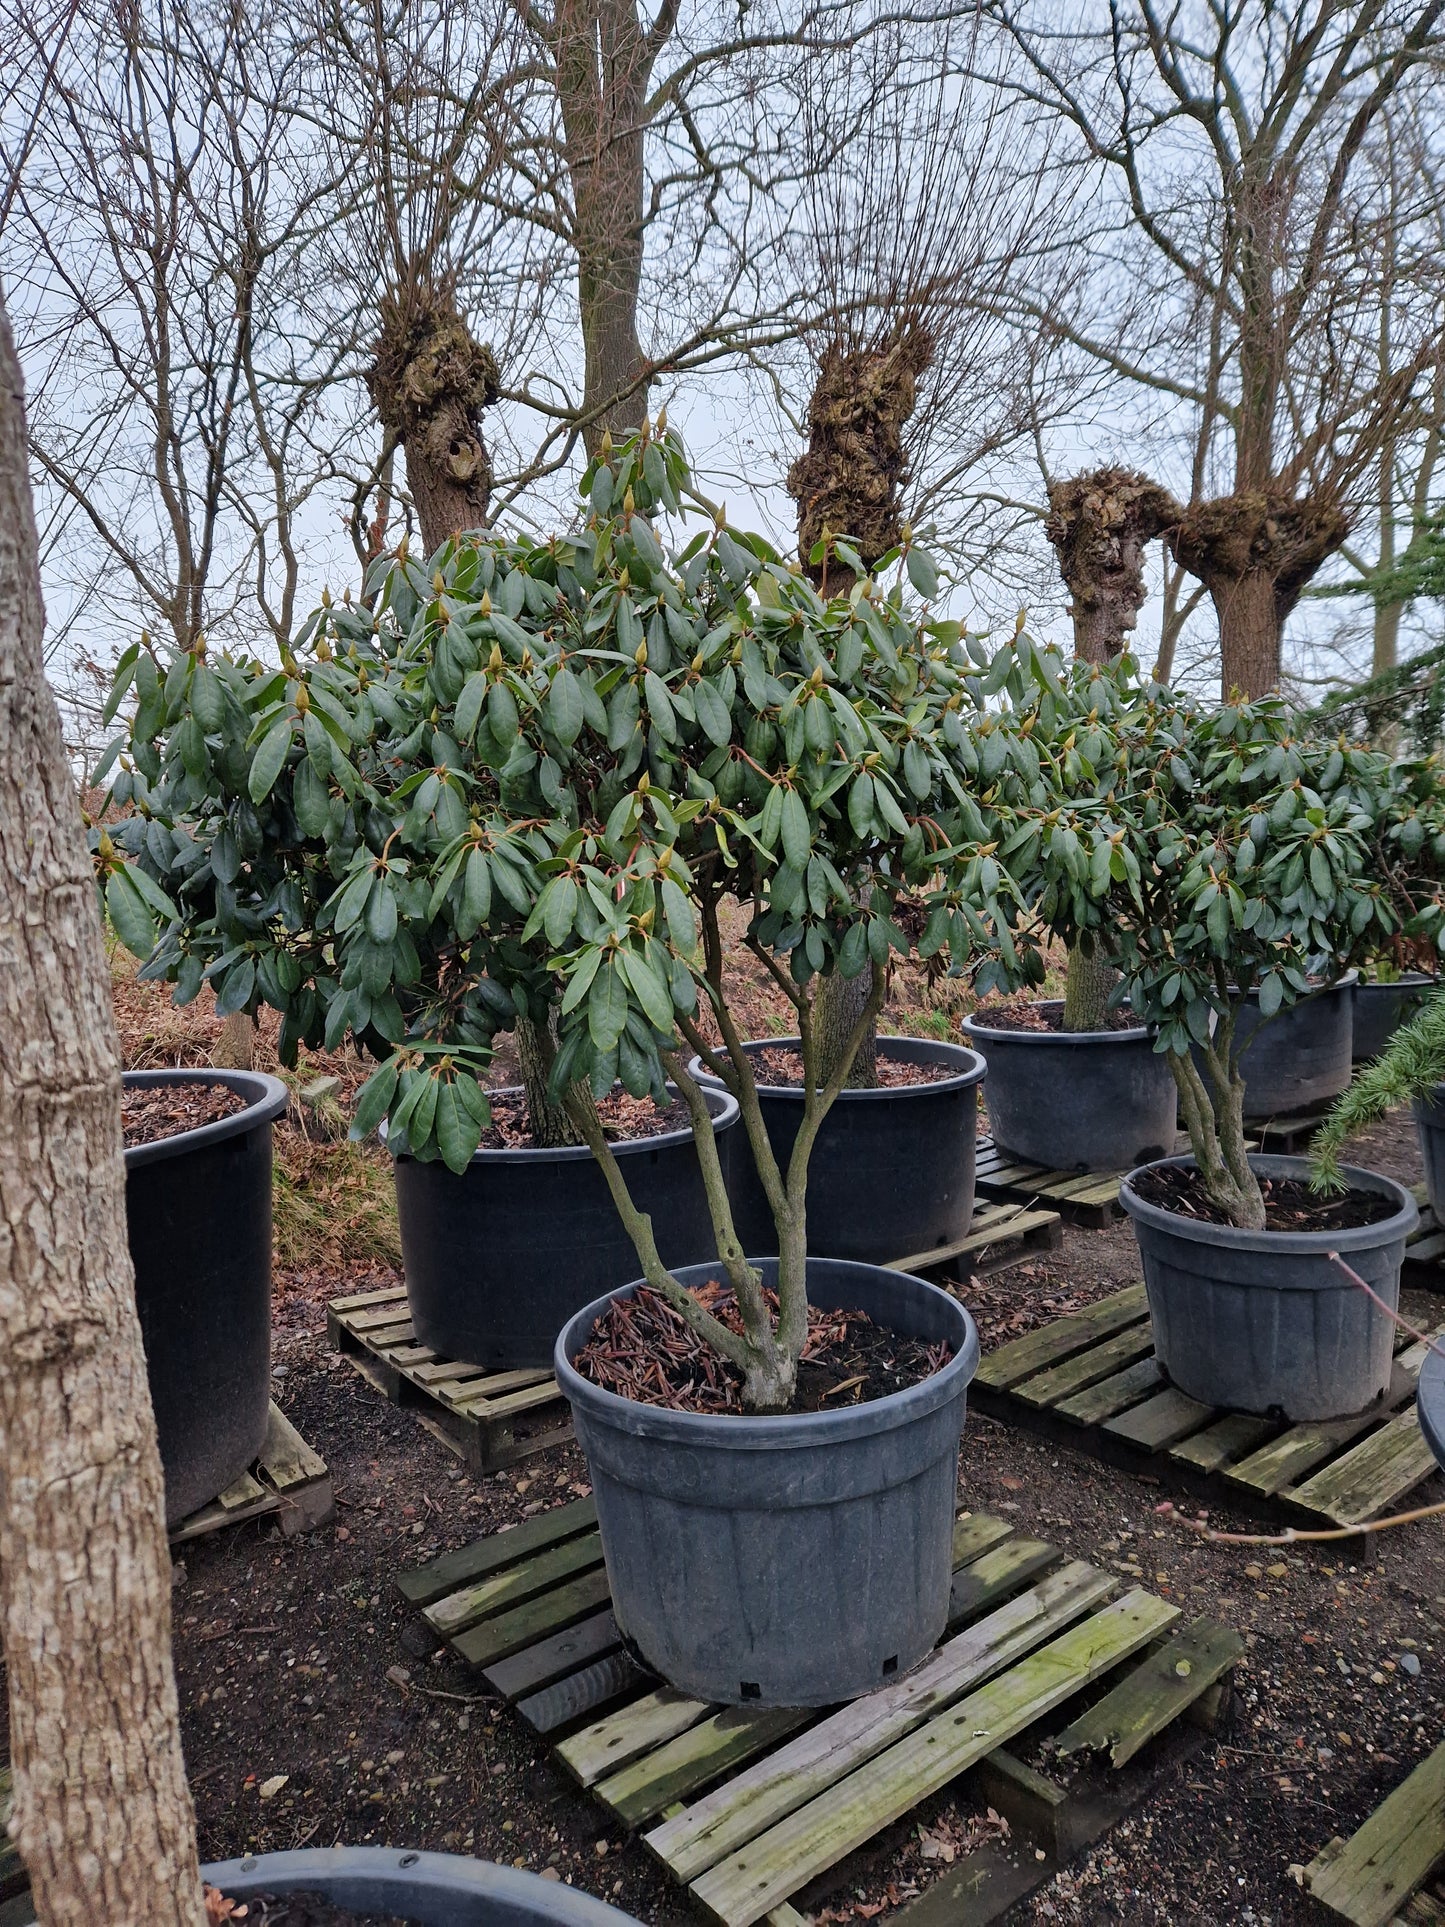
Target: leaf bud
x,y
303,699
628,502
486,604
639,654
644,783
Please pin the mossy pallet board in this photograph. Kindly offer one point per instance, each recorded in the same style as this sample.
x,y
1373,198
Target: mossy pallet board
x,y
999,1235
747,1806
1087,1198
1092,1380
1377,1876
491,1419
288,1481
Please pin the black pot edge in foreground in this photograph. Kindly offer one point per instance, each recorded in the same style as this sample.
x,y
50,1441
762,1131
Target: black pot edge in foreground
x,y
1256,1321
438,1889
715,1544
1430,1405
267,1095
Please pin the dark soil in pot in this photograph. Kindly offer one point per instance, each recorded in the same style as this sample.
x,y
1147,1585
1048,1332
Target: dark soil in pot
x,y
1263,1321
308,1910
796,1560
1092,1100
1381,1008
198,1215
892,1170
1299,1058
500,1256
1290,1204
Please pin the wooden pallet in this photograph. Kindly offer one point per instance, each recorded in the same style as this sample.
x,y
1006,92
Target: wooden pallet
x,y
490,1419
999,1235
495,1418
1087,1198
745,1807
1093,1381
288,1480
1380,1874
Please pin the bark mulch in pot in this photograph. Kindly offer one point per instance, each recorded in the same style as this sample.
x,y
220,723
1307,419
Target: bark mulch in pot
x,y
625,1119
155,1111
1289,1203
1026,1016
782,1065
642,1349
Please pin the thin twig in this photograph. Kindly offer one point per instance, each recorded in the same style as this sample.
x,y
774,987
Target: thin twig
x,y
1293,1535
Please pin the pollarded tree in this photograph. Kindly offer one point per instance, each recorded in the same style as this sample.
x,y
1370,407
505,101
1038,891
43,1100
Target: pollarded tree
x,y
521,786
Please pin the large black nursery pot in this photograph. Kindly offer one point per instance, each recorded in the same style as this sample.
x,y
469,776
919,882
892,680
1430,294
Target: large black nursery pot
x,y
198,1216
500,1256
789,1561
436,1889
1077,1100
1431,1405
1380,1009
1430,1129
892,1170
1299,1058
1261,1321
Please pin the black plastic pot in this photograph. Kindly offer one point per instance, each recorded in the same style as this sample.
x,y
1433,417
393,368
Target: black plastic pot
x,y
1077,1100
499,1257
1380,1009
1299,1058
198,1214
1261,1321
1431,1405
437,1889
791,1561
892,1170
1430,1128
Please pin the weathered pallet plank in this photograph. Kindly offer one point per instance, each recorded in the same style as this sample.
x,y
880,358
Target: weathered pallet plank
x,y
1370,1477
554,1658
513,1584
1085,1368
607,1744
1302,1448
1112,1395
667,1775
1228,1438
741,1889
765,1794
1021,1358
583,1693
1375,1872
509,1632
1009,1225
1085,1197
507,1548
1161,1421
1155,1692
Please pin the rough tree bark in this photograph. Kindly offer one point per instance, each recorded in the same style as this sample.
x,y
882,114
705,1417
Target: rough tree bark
x,y
1100,525
103,1815
850,480
603,58
1254,552
429,383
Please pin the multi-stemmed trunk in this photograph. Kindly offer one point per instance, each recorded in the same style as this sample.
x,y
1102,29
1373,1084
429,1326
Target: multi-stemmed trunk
x,y
103,1816
1213,1108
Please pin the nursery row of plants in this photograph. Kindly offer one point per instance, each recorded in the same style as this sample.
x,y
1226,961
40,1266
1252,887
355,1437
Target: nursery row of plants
x,y
510,792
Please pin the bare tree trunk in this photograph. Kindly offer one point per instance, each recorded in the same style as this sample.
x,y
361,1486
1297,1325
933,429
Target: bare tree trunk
x,y
429,383
235,1047
1100,525
838,1003
1250,634
103,1815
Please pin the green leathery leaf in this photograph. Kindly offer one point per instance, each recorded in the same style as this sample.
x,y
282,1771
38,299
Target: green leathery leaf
x,y
269,760
476,901
606,1007
458,1132
129,913
565,709
797,833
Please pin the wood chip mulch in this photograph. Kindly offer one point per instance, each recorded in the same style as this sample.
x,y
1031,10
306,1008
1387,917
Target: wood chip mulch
x,y
643,1349
158,1111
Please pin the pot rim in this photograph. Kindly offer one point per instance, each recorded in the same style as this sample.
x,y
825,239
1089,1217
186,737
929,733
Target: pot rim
x,y
1197,1231
1135,1033
577,1153
268,1099
379,1871
1407,980
795,1430
1347,980
973,1072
